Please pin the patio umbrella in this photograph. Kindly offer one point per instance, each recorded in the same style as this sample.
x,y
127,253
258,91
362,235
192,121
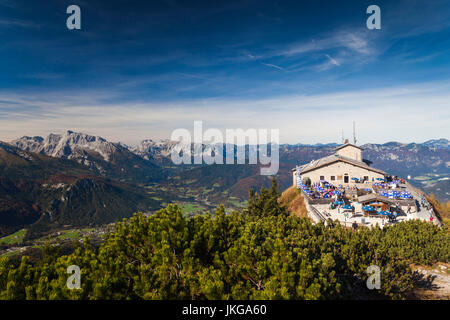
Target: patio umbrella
x,y
368,208
347,207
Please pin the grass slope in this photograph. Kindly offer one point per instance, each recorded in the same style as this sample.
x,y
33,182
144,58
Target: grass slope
x,y
294,201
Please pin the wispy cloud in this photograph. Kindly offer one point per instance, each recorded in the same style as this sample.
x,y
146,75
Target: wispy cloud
x,y
356,46
328,64
332,61
395,113
272,66
18,23
343,39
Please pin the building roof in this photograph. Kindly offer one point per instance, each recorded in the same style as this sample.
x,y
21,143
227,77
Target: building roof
x,y
374,197
348,144
316,164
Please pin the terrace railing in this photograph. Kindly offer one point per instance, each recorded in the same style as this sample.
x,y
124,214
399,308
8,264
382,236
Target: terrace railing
x,y
318,214
319,201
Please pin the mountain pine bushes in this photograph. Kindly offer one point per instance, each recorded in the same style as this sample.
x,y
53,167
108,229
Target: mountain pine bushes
x,y
260,253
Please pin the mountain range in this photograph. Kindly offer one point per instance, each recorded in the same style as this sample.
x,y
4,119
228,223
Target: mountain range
x,y
80,179
101,156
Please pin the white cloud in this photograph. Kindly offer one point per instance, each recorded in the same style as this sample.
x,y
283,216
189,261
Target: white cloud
x,y
333,61
407,113
343,39
19,23
272,66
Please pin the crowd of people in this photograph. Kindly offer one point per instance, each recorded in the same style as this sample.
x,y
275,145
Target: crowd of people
x,y
390,189
322,190
425,204
385,187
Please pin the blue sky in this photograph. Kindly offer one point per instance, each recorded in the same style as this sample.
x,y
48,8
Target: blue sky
x,y
141,69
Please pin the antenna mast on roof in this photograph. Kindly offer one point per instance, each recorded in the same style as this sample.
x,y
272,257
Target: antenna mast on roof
x,y
354,133
342,136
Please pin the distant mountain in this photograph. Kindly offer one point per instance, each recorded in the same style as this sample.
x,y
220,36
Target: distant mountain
x,y
69,145
408,159
396,158
440,189
149,164
438,144
333,144
41,192
158,151
105,158
142,163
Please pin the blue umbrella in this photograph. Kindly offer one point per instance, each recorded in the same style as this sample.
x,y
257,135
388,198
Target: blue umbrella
x,y
355,179
368,208
338,203
384,213
347,207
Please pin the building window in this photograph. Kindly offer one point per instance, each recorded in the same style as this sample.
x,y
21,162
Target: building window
x,y
346,178
366,178
339,177
322,177
333,178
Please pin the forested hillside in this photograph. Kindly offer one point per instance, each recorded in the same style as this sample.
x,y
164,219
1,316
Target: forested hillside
x,y
262,252
42,193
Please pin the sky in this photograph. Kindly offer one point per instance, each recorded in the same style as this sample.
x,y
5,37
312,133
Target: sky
x,y
141,69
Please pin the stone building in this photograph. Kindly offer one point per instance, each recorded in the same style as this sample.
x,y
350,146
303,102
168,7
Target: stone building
x,y
340,168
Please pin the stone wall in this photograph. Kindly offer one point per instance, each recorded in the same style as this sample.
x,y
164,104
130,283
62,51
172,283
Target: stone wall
x,y
338,170
350,152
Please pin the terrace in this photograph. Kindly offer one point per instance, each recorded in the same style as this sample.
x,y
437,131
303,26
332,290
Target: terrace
x,y
322,192
354,212
367,203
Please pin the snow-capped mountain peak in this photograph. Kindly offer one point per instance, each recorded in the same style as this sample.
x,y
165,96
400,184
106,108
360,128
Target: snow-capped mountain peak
x,y
70,145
